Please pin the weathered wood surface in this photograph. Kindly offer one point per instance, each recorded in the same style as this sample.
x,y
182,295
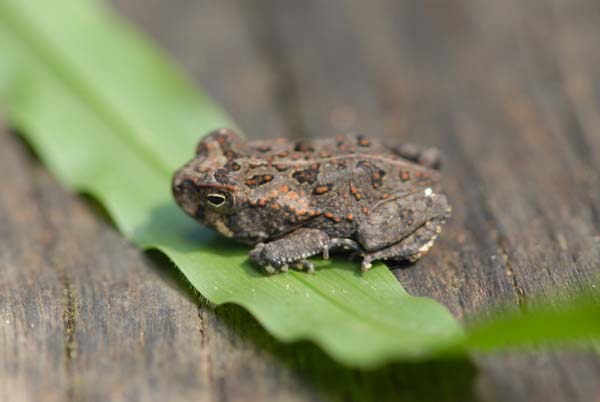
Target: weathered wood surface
x,y
508,90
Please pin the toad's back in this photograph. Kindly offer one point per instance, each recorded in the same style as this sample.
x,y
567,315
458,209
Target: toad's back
x,y
329,183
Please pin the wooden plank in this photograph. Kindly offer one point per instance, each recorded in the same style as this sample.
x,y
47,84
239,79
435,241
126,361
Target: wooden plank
x,y
508,90
31,297
314,47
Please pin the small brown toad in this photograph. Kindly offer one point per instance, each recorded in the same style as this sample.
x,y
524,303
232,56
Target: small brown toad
x,y
294,199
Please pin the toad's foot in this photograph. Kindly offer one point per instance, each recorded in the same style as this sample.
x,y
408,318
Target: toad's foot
x,y
294,249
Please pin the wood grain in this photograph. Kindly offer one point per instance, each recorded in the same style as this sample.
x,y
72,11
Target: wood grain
x,y
508,90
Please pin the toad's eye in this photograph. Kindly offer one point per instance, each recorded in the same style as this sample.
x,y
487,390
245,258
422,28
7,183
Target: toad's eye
x,y
215,200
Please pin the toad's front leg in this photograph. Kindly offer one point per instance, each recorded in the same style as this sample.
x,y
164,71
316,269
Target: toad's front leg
x,y
294,249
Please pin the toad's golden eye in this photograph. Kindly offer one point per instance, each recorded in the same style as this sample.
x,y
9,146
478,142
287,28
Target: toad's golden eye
x,y
215,200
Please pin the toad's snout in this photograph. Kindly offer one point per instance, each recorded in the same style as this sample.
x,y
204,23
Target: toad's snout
x,y
185,191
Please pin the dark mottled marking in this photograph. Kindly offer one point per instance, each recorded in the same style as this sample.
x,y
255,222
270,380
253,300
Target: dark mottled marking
x,y
362,141
222,176
258,180
303,146
306,176
229,154
225,141
281,168
202,149
375,173
232,165
408,216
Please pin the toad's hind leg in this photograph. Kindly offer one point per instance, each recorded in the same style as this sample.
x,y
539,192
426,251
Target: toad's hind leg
x,y
411,248
395,219
403,228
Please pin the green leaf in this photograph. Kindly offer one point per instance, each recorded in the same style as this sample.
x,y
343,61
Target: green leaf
x,y
575,318
110,117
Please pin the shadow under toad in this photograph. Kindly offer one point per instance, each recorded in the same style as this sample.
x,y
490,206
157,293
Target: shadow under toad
x,y
446,380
